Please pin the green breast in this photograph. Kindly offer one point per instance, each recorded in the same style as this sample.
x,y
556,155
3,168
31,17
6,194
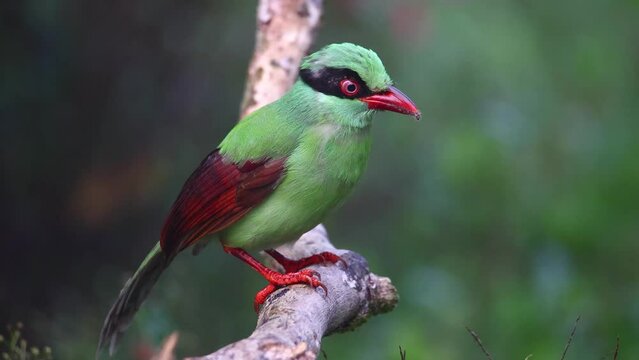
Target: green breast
x,y
321,172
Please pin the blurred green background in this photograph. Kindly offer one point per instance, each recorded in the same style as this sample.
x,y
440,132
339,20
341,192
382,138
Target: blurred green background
x,y
512,208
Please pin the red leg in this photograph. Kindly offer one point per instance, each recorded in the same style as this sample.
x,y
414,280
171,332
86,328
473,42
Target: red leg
x,y
275,279
291,266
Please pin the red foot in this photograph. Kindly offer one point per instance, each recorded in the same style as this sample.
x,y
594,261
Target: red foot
x,y
290,265
277,280
261,296
294,273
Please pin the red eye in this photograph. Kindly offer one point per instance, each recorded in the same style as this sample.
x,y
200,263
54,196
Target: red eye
x,y
349,87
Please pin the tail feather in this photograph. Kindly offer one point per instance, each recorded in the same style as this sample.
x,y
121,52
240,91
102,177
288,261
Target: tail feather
x,y
133,294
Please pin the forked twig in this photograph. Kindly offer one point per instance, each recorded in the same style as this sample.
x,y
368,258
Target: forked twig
x,y
402,353
572,333
479,343
616,350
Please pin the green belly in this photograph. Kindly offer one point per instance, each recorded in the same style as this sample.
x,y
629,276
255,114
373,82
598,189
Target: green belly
x,y
320,173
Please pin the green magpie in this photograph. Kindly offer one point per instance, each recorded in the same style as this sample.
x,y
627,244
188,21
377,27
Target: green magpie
x,y
276,175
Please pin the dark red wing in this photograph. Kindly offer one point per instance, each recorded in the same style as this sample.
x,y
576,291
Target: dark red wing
x,y
217,194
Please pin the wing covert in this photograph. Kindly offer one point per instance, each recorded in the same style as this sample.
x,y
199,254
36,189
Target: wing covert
x,y
217,194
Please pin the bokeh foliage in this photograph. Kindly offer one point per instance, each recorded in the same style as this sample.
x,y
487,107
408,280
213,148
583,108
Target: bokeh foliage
x,y
13,346
511,208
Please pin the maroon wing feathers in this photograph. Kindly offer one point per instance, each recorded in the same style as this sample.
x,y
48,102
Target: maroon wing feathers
x,y
217,194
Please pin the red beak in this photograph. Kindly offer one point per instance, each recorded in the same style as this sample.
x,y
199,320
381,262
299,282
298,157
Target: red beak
x,y
392,100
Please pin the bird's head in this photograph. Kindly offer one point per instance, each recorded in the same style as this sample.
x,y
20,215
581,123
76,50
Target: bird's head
x,y
353,79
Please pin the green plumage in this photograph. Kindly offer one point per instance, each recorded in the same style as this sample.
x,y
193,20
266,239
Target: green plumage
x,y
327,152
325,140
349,56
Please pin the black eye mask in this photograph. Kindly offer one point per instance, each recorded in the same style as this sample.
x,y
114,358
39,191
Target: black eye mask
x,y
327,81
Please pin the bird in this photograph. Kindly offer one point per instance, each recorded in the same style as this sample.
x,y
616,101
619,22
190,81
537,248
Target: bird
x,y
275,176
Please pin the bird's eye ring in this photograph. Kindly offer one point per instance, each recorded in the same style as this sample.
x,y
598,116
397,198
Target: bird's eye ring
x,y
349,87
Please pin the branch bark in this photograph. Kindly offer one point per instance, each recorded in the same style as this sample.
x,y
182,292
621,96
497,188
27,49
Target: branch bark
x,y
285,32
294,319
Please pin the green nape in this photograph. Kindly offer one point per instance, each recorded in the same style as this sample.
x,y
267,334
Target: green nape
x,y
363,61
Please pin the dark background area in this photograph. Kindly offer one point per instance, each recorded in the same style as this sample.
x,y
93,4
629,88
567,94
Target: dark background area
x,y
511,208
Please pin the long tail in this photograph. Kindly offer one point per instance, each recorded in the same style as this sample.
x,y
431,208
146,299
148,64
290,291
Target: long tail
x,y
133,294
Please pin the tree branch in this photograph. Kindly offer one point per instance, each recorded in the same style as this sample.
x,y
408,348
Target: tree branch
x,y
294,319
285,32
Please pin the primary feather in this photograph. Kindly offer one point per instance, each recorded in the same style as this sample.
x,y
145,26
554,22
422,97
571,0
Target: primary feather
x,y
131,298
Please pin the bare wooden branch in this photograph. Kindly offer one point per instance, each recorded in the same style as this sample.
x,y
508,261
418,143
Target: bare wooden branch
x,y
294,319
285,32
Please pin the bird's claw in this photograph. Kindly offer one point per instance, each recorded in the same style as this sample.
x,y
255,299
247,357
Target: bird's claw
x,y
343,262
329,257
276,280
296,272
323,288
311,273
